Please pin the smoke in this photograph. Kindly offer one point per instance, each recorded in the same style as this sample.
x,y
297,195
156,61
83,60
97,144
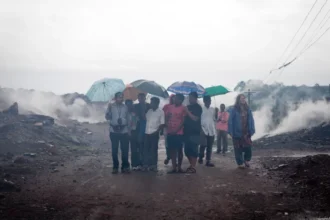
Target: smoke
x,y
52,105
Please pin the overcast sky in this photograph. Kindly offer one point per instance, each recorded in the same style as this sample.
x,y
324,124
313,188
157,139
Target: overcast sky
x,y
66,45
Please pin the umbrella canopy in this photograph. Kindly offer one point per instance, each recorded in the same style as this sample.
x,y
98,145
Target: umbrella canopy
x,y
216,90
150,87
131,93
186,87
105,89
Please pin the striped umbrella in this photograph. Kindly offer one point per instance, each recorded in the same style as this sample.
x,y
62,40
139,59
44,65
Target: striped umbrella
x,y
186,87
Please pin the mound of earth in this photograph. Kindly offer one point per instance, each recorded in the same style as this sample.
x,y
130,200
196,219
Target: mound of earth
x,y
317,138
309,179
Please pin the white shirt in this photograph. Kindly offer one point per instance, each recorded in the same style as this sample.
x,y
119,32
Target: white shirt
x,y
208,121
154,120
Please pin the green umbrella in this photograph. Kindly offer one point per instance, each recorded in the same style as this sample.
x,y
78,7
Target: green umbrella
x,y
216,90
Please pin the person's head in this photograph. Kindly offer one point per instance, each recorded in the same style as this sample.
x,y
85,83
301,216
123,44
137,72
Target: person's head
x,y
240,101
207,101
172,97
154,102
193,96
222,107
142,98
179,98
119,97
129,104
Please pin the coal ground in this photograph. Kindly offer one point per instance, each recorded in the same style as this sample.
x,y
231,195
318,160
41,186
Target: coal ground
x,y
74,181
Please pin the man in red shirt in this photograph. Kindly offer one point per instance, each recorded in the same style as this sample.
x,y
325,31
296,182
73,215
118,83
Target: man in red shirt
x,y
165,108
175,115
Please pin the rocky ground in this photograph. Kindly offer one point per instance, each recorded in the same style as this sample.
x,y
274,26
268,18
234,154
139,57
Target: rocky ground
x,y
48,171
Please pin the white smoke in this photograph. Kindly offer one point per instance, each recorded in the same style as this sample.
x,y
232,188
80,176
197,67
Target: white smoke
x,y
52,105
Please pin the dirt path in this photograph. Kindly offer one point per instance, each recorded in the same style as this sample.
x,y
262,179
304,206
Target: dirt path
x,y
84,188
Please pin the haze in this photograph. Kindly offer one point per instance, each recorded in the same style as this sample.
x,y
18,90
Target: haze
x,y
64,46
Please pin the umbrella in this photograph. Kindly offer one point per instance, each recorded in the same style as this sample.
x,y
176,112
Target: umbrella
x,y
131,93
150,87
216,90
105,89
186,87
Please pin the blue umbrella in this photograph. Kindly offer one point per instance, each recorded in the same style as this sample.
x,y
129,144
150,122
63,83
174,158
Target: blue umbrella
x,y
186,87
105,89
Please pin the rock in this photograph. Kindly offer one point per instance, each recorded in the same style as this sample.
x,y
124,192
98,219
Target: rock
x,y
55,170
30,154
20,160
75,140
12,110
7,186
89,133
54,164
41,142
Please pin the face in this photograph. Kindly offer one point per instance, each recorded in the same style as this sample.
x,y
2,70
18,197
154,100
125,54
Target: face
x,y
142,98
207,103
120,98
242,99
222,107
172,99
177,101
192,99
154,105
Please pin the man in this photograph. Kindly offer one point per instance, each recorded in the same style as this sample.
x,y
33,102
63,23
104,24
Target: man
x,y
192,131
175,115
155,123
135,154
118,116
168,157
140,110
222,130
208,132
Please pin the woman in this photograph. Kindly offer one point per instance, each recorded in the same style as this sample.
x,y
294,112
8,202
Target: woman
x,y
241,128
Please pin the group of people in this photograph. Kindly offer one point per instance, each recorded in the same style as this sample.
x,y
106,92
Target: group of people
x,y
189,129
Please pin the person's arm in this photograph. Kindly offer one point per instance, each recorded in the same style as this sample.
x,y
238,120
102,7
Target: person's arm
x,y
231,124
108,114
190,115
162,122
128,119
252,127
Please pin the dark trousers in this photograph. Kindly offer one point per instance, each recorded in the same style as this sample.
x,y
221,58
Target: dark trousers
x,y
150,151
222,141
208,144
243,154
168,156
123,140
135,149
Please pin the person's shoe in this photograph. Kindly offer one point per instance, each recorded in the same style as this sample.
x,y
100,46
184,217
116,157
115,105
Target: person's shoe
x,y
218,152
166,161
209,164
126,170
240,167
200,161
247,164
115,171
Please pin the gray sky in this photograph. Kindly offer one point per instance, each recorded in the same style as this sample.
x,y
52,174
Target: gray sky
x,y
66,45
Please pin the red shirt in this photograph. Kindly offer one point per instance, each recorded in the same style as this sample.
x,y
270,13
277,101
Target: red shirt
x,y
175,116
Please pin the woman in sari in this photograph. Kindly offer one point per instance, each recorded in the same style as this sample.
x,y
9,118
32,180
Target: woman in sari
x,y
241,128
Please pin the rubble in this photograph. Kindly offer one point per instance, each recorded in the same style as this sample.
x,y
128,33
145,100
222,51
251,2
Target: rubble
x,y
12,110
7,186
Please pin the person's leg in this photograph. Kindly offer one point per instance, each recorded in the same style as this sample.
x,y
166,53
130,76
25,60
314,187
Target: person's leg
x,y
145,152
154,152
210,140
134,150
172,151
218,141
168,156
180,158
114,149
225,142
247,155
239,156
124,146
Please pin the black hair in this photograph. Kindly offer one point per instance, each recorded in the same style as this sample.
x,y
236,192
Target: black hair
x,y
194,94
223,105
118,94
155,100
179,97
128,101
207,98
142,94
